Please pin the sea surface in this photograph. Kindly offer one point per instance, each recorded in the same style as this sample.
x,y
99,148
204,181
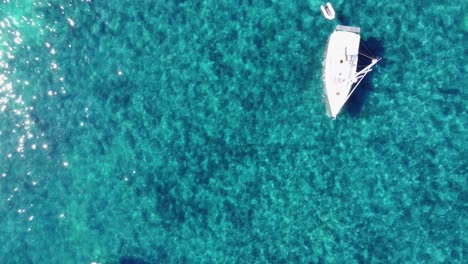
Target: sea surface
x,y
159,131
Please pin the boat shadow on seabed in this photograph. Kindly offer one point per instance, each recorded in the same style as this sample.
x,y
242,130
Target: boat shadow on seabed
x,y
357,100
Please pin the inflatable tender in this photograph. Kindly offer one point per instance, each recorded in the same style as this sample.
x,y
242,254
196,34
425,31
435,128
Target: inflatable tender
x,y
328,11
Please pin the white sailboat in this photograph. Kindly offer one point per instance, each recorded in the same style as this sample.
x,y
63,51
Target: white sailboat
x,y
341,60
340,75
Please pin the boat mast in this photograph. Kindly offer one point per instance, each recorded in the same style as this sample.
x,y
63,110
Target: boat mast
x,y
359,76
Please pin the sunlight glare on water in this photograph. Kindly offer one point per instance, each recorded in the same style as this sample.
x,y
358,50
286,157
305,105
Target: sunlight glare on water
x,y
10,101
22,142
21,31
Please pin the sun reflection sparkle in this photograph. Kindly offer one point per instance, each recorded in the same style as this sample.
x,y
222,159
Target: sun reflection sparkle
x,y
24,46
11,39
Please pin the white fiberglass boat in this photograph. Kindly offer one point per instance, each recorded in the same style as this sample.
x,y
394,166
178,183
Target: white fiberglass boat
x,y
328,11
341,61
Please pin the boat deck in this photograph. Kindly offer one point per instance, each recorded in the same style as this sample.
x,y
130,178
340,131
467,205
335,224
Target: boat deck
x,y
340,66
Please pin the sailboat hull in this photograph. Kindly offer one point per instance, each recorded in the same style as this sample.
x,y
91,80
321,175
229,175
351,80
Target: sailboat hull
x,y
340,66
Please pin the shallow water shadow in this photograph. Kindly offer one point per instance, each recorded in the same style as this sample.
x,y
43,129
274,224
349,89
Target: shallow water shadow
x,y
356,102
343,20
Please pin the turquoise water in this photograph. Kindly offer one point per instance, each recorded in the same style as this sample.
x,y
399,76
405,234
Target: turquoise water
x,y
195,132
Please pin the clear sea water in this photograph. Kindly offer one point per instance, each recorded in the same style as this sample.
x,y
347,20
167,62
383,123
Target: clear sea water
x,y
160,131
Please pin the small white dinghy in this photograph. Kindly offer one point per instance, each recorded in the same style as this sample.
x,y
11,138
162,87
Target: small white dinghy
x,y
328,11
339,73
